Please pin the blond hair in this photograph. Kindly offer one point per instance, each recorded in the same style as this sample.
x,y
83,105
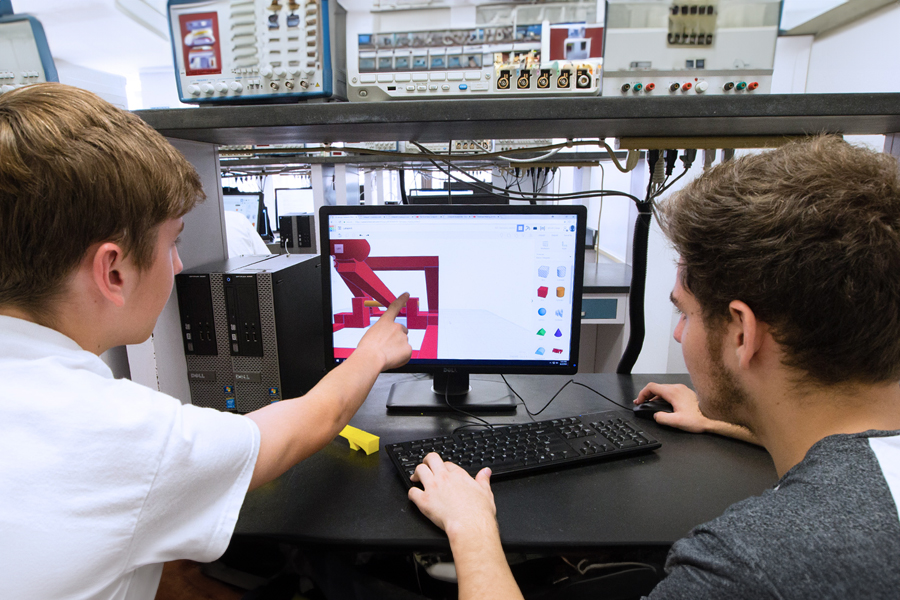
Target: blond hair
x,y
74,171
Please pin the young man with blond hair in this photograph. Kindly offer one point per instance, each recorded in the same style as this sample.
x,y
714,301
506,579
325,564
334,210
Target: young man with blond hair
x,y
789,291
103,480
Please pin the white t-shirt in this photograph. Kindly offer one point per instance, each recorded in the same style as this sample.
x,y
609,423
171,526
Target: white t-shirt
x,y
102,480
243,239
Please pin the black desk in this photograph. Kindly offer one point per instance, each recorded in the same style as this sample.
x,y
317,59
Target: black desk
x,y
344,499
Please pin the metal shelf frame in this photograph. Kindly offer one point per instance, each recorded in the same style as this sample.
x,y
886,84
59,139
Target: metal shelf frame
x,y
436,121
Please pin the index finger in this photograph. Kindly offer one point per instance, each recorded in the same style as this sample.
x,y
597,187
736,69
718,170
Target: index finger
x,y
646,394
394,309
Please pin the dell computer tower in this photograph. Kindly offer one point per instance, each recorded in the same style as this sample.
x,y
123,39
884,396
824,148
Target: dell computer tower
x,y
252,330
298,233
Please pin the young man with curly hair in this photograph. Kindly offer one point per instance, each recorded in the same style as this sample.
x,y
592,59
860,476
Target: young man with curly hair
x,y
789,291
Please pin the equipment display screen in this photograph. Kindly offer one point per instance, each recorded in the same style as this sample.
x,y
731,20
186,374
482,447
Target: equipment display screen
x,y
200,43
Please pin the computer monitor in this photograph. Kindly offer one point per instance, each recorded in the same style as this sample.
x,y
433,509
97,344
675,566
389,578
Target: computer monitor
x,y
289,201
457,193
249,204
493,289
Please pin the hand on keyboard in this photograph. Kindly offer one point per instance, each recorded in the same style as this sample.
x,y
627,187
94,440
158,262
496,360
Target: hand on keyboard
x,y
451,498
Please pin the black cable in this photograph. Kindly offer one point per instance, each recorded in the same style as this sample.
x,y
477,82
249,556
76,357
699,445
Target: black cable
x,y
636,292
494,190
526,196
558,392
446,397
671,158
604,396
403,197
639,261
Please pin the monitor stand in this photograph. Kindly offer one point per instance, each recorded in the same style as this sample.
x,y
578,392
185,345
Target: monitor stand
x,y
425,396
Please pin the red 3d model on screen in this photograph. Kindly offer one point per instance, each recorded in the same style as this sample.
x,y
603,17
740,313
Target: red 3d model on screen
x,y
371,296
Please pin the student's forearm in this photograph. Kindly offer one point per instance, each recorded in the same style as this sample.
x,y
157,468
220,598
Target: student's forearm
x,y
481,567
292,430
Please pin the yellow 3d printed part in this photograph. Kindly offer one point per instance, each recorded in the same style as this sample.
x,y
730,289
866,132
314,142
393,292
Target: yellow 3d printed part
x,y
360,439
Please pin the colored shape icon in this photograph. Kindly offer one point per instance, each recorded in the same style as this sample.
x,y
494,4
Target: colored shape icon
x,y
560,292
542,291
540,351
558,333
560,271
542,331
557,351
542,311
543,271
559,313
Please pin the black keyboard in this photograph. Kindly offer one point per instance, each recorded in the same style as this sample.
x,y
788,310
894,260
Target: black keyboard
x,y
529,447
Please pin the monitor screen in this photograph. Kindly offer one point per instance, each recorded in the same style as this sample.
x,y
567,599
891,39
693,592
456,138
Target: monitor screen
x,y
290,201
248,204
493,289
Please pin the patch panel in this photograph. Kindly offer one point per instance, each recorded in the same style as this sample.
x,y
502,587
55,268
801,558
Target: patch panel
x,y
682,47
668,84
486,61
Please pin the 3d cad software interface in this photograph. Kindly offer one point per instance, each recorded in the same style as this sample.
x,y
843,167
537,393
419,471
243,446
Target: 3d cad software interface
x,y
482,287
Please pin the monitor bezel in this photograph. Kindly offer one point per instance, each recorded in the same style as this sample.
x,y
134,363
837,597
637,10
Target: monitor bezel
x,y
476,367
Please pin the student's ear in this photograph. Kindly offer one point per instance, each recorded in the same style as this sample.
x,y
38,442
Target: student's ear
x,y
109,273
746,332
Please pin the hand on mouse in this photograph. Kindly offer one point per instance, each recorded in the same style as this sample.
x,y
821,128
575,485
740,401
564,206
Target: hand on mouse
x,y
687,415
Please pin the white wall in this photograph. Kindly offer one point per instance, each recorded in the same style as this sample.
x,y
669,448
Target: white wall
x,y
111,88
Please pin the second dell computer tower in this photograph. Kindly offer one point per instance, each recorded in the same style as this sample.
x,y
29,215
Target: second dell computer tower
x,y
298,233
252,330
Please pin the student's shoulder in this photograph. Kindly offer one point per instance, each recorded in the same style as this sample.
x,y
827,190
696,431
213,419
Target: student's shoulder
x,y
830,523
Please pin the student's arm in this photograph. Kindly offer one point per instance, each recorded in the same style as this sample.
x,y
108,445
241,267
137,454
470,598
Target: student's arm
x,y
464,508
687,415
292,430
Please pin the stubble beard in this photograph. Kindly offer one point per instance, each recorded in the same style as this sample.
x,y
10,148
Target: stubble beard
x,y
727,400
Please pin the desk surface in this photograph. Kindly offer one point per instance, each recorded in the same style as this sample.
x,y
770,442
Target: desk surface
x,y
606,278
343,498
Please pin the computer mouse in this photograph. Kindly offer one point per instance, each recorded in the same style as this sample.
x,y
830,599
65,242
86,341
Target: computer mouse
x,y
648,409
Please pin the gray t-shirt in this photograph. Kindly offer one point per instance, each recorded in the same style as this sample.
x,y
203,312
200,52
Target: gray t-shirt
x,y
829,529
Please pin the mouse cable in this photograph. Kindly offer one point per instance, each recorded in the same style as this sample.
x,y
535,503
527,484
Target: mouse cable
x,y
604,396
572,381
534,414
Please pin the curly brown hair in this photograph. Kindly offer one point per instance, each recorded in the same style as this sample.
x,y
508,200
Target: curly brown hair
x,y
74,171
808,236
